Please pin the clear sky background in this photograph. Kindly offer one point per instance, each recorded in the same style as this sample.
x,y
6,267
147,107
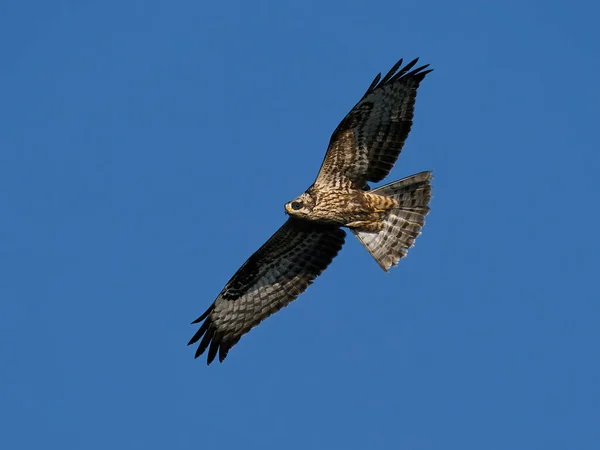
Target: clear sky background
x,y
147,149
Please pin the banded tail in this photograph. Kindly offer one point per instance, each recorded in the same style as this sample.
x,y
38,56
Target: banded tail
x,y
403,224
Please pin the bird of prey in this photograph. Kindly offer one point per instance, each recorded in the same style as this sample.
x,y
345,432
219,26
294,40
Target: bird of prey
x,y
386,220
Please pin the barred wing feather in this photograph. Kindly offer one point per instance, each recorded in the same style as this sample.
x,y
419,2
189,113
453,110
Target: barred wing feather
x,y
366,144
270,279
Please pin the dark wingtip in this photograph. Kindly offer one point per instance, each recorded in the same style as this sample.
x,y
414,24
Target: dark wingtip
x,y
223,350
203,329
214,347
392,71
205,315
418,74
374,83
207,333
394,74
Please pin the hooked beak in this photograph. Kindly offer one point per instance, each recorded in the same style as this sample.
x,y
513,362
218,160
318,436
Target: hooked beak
x,y
288,208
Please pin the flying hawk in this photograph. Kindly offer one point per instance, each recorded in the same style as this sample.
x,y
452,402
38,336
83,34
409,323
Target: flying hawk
x,y
386,220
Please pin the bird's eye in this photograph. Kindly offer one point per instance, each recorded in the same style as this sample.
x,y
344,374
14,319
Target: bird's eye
x,y
296,206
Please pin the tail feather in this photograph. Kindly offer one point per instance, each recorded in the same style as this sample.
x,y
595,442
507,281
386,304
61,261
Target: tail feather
x,y
403,224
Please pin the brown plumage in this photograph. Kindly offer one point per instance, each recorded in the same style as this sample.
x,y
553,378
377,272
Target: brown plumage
x,y
386,220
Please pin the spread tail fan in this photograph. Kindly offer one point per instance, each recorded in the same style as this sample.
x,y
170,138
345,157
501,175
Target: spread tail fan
x,y
403,224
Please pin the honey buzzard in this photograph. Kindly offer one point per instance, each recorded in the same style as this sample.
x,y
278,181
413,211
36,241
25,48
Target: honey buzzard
x,y
386,220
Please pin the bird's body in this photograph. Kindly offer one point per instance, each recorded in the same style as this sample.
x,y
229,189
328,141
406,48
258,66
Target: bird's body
x,y
386,220
344,207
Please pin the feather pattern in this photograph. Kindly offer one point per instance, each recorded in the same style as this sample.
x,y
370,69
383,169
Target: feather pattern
x,y
366,144
403,224
269,280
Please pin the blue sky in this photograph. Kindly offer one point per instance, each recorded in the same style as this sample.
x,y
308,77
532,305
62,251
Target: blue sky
x,y
147,149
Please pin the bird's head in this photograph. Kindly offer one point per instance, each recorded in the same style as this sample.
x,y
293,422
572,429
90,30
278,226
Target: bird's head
x,y
301,206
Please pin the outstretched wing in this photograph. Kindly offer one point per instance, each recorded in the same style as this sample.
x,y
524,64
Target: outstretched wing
x,y
269,280
366,144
